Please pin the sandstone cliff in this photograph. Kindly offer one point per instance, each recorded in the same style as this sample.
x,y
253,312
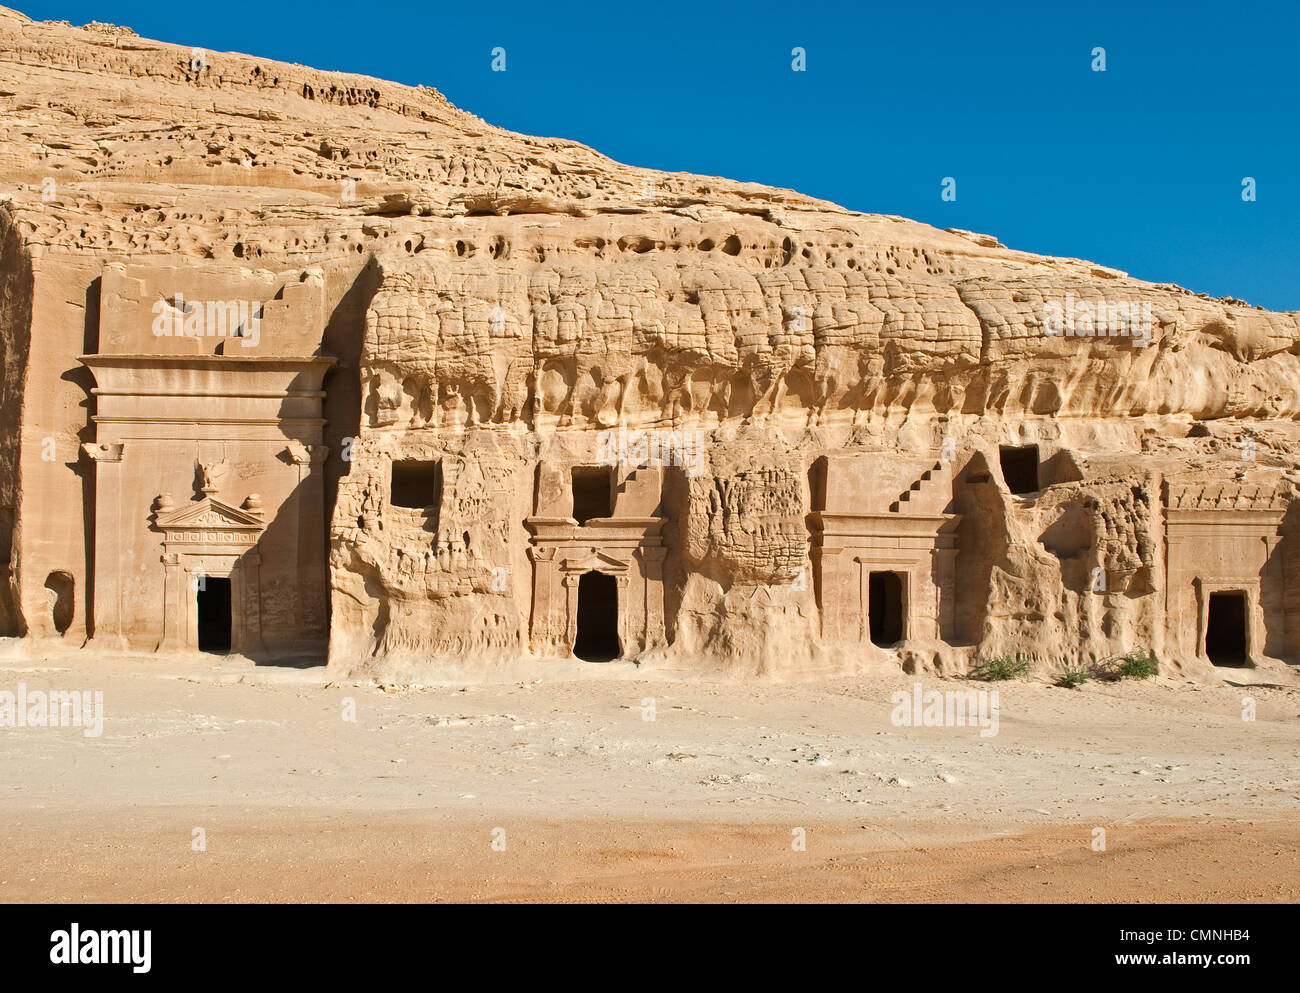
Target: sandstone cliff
x,y
497,301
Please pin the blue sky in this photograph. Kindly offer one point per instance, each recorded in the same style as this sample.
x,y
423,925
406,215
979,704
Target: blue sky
x,y
1139,167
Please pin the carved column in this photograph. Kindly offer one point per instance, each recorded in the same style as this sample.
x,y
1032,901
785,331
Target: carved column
x,y
106,598
627,644
864,599
921,605
1272,595
828,566
652,569
308,508
571,610
945,571
249,567
1254,624
542,630
191,576
174,601
1202,616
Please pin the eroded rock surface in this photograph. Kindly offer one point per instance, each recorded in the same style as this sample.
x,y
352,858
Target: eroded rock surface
x,y
453,373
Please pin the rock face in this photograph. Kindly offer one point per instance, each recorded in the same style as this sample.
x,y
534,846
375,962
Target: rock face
x,y
299,362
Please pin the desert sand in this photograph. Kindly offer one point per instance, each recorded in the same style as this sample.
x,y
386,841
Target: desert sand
x,y
700,804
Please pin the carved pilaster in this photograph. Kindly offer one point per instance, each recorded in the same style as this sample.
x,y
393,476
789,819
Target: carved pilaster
x,y
542,630
108,581
627,644
250,575
174,601
571,609
829,586
652,569
308,510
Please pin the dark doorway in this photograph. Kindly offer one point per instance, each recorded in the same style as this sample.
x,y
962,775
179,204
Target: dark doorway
x,y
1225,630
61,587
592,486
597,639
214,615
1020,467
885,608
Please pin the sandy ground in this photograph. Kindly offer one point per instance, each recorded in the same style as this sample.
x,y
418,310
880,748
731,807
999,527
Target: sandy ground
x,y
219,782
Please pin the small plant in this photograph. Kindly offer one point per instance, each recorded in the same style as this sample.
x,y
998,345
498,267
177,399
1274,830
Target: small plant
x,y
1073,674
1137,664
1003,667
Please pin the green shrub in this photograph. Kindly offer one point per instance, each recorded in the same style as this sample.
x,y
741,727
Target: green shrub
x,y
1003,667
1137,664
1073,674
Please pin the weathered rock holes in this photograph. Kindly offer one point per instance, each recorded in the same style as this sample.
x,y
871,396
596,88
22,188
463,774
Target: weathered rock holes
x,y
636,243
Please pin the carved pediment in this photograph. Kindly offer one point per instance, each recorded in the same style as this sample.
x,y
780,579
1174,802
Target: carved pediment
x,y
209,514
587,560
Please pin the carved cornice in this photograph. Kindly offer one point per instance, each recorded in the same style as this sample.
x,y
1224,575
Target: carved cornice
x,y
104,451
301,454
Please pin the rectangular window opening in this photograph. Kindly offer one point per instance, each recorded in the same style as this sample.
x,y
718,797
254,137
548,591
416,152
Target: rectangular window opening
x,y
416,484
1020,467
593,493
